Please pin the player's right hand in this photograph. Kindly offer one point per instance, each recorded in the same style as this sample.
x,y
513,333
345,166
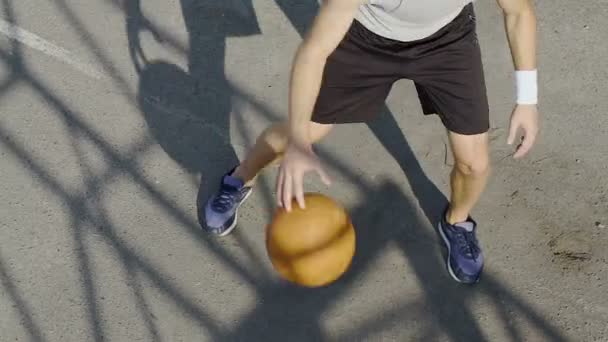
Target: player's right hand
x,y
298,160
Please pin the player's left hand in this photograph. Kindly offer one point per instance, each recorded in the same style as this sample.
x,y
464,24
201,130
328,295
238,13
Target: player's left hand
x,y
524,118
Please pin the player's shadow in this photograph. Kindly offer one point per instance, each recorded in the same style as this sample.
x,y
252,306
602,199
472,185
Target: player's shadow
x,y
188,111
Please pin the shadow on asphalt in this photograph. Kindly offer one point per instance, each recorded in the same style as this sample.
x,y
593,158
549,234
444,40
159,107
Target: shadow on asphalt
x,y
187,112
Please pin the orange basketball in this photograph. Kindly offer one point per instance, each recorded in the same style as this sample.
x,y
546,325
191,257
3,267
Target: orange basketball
x,y
314,246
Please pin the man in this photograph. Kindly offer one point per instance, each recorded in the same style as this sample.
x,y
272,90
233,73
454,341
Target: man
x,y
342,73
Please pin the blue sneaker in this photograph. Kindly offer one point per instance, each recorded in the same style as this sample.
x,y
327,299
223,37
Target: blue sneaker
x,y
221,210
465,260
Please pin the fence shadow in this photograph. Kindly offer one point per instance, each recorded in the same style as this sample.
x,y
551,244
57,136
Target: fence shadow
x,y
182,107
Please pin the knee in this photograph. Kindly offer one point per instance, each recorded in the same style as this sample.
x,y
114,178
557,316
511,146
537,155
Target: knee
x,y
475,167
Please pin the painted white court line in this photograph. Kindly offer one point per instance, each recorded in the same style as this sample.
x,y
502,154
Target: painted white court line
x,y
35,42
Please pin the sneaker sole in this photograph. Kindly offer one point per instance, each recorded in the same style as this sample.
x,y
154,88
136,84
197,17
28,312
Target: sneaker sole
x,y
236,215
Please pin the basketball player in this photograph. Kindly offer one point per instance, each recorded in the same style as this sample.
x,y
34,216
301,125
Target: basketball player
x,y
342,73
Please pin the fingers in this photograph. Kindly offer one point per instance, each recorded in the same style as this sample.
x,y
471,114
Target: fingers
x,y
279,188
324,176
299,189
287,194
293,187
524,118
525,146
290,179
512,132
288,187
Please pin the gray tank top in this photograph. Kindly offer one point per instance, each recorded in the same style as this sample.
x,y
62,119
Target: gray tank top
x,y
408,20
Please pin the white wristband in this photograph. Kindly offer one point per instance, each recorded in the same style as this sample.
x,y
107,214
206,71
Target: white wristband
x,y
526,85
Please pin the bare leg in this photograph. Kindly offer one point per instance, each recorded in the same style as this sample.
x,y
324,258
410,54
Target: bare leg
x,y
470,173
269,147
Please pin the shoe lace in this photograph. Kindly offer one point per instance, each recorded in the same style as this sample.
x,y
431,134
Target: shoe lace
x,y
224,200
468,244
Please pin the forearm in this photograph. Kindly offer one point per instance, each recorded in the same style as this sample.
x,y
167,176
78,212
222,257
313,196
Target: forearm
x,y
520,25
305,82
521,33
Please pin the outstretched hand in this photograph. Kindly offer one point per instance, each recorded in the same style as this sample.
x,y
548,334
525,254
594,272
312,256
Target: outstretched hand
x,y
298,160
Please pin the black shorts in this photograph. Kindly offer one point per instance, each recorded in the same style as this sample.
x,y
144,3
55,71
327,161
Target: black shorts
x,y
445,67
